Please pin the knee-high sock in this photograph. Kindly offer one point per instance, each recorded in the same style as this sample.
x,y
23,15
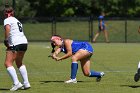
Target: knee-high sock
x,y
24,74
94,74
12,72
74,67
139,65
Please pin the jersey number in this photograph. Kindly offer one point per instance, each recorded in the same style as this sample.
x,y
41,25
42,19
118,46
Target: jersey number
x,y
20,26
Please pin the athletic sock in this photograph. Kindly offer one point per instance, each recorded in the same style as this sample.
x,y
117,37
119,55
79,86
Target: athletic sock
x,y
139,65
74,67
94,74
12,72
24,74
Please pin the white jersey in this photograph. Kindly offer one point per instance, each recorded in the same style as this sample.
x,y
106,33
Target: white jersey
x,y
16,35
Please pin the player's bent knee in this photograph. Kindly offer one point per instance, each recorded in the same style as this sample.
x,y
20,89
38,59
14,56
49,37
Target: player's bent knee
x,y
73,58
7,64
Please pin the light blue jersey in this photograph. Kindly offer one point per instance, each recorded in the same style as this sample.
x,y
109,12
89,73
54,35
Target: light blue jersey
x,y
76,45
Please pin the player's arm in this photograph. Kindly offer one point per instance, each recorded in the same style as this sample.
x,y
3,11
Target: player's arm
x,y
67,44
7,30
55,53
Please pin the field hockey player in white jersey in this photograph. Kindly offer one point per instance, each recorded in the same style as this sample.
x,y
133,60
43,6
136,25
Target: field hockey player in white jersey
x,y
16,44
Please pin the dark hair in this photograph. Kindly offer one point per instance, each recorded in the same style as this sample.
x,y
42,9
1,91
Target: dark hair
x,y
8,11
57,36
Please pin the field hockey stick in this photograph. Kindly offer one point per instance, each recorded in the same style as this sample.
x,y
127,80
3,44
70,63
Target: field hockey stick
x,y
53,49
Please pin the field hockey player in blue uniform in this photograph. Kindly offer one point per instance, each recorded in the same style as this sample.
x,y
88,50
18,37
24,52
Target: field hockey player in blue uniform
x,y
78,51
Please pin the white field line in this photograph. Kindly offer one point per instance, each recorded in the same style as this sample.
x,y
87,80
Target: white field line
x,y
115,71
82,73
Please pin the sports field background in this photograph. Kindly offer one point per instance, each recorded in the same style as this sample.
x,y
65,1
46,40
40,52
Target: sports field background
x,y
119,30
118,61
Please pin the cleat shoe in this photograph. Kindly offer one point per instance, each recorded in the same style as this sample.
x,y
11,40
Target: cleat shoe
x,y
137,75
16,87
71,81
26,86
98,79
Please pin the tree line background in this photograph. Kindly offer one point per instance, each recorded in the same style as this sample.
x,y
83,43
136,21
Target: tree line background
x,y
65,16
74,8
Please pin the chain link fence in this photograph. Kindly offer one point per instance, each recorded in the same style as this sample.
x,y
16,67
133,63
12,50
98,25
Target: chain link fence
x,y
83,29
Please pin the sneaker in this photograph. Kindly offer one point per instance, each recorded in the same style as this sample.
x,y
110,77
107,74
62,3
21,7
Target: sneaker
x,y
71,81
98,79
16,87
137,75
26,86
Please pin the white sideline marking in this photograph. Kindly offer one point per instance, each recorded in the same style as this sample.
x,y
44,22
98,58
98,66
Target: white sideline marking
x,y
47,47
2,73
119,71
81,72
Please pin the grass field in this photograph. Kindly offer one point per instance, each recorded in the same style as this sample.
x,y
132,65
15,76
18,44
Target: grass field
x,y
118,61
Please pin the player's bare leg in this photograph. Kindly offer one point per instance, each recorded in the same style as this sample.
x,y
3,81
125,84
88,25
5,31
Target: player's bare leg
x,y
106,36
22,69
95,37
10,57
